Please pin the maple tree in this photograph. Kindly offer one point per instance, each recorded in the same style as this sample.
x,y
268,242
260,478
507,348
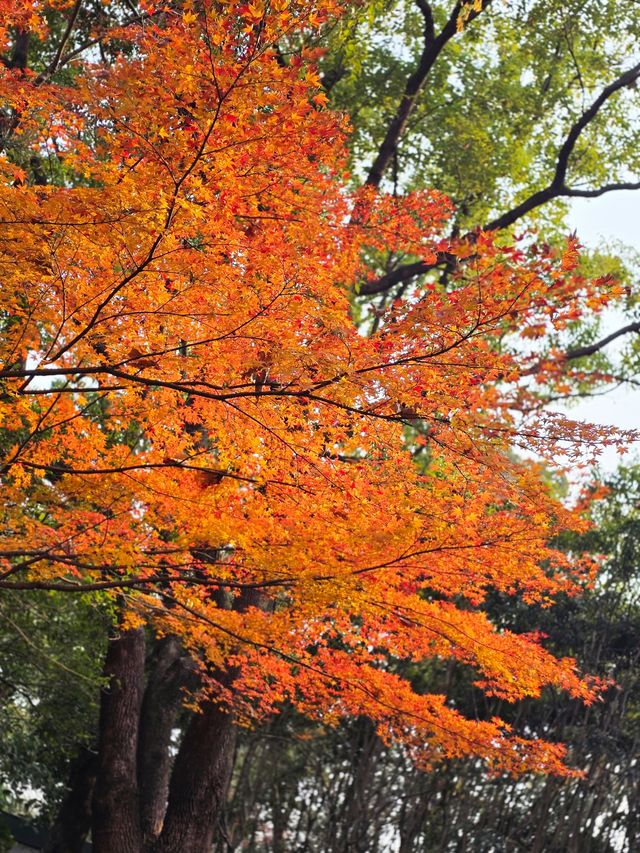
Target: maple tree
x,y
196,427
341,789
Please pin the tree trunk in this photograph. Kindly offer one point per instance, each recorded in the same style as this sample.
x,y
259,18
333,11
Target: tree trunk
x,y
199,782
171,671
74,818
116,812
202,769
19,54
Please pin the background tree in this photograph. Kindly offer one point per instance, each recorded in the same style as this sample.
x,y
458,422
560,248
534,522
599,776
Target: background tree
x,y
511,109
51,663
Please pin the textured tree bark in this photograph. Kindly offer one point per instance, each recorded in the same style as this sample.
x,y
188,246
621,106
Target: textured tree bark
x,y
170,673
199,782
116,813
74,818
202,769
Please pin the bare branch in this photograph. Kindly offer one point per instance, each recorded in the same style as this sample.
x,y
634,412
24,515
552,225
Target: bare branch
x,y
606,188
427,14
128,583
398,276
558,187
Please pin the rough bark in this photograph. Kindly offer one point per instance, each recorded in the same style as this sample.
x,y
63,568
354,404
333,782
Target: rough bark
x,y
356,814
202,769
171,671
116,814
199,782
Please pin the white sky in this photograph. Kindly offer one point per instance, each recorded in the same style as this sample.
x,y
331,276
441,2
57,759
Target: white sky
x,y
610,218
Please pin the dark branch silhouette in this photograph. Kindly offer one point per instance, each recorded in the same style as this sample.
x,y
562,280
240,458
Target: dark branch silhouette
x,y
590,349
433,46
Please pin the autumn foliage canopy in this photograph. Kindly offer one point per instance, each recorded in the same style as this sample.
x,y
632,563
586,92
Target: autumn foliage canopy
x,y
198,424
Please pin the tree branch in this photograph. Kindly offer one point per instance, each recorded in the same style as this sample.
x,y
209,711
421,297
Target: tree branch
x,y
557,188
429,24
129,583
398,276
433,46
65,38
590,349
606,188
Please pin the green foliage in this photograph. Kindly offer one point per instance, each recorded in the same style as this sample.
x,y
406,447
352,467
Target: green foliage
x,y
51,648
488,125
499,100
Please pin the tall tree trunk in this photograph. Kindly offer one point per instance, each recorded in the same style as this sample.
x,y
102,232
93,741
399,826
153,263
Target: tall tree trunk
x,y
19,54
116,812
199,782
170,673
74,818
202,769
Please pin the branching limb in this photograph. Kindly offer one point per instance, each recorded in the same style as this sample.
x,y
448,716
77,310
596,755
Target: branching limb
x,y
65,38
433,46
557,188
